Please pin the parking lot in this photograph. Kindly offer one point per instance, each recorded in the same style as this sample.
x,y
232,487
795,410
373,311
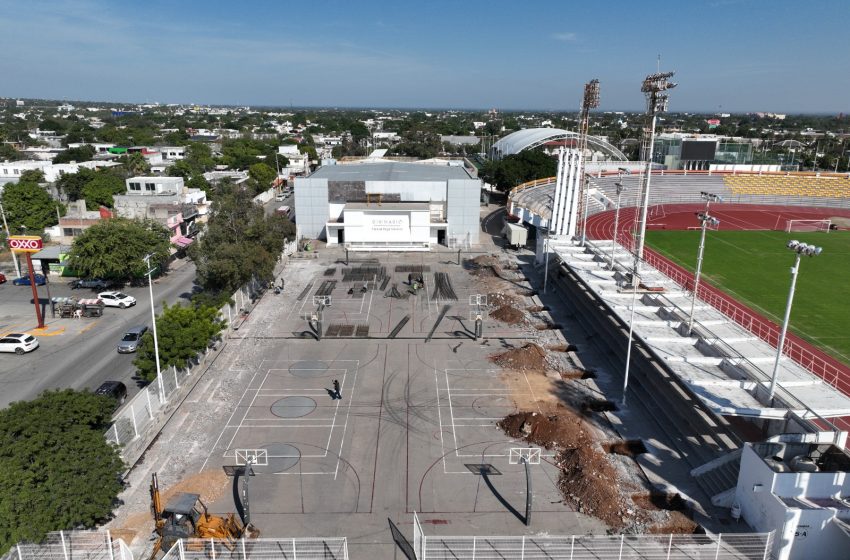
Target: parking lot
x,y
414,429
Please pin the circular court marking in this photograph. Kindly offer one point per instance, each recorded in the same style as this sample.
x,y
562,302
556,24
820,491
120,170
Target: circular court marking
x,y
282,457
309,368
293,407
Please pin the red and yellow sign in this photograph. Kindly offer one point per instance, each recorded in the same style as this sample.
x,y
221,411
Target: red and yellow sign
x,y
25,243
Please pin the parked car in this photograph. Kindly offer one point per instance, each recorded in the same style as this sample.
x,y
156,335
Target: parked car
x,y
93,283
114,389
18,343
2,278
280,197
40,280
131,340
117,299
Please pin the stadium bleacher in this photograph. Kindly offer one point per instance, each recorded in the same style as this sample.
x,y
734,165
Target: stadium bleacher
x,y
789,185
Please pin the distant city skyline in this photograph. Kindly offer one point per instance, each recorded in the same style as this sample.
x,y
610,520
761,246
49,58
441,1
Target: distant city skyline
x,y
729,55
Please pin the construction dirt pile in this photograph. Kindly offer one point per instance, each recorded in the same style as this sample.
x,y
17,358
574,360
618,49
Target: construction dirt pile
x,y
508,314
501,299
590,481
528,357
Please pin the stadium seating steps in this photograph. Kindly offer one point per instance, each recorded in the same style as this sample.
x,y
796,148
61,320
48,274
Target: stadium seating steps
x,y
827,187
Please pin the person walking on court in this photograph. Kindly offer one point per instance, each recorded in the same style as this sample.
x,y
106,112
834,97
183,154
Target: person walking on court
x,y
336,389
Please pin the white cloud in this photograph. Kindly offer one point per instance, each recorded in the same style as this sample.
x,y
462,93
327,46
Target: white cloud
x,y
567,37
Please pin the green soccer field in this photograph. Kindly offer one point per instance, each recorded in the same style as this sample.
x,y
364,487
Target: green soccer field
x,y
755,267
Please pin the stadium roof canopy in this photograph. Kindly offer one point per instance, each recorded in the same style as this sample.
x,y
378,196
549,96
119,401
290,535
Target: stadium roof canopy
x,y
532,137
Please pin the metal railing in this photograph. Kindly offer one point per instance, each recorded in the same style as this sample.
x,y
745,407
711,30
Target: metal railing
x,y
737,546
259,549
134,422
72,545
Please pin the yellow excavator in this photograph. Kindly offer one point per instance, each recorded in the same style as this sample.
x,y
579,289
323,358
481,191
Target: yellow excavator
x,y
185,516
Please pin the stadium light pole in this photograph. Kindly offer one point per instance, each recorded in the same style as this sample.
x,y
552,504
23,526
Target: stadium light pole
x,y
590,100
619,185
655,87
635,282
801,249
706,220
162,399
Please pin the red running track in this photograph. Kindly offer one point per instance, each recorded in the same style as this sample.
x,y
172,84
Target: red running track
x,y
736,217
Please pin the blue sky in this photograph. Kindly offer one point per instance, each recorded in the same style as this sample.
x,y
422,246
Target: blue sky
x,y
734,55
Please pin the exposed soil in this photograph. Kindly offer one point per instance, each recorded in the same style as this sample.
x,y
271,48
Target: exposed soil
x,y
586,474
501,299
528,357
508,314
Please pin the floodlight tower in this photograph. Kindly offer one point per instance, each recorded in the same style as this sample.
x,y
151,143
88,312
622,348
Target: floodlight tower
x,y
800,249
589,101
655,87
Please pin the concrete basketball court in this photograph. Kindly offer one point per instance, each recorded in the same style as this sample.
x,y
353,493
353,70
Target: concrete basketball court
x,y
413,431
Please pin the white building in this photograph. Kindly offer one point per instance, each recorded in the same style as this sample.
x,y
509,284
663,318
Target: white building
x,y
387,205
800,490
299,164
11,171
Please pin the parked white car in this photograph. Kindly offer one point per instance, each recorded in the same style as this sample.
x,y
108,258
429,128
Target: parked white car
x,y
18,343
117,299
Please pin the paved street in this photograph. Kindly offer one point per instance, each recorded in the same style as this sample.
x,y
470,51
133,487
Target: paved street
x,y
77,353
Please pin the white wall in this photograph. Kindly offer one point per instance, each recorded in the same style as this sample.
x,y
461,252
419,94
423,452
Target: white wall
x,y
396,226
801,533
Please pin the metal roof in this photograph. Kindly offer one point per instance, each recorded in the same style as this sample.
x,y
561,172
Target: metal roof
x,y
532,137
183,503
390,171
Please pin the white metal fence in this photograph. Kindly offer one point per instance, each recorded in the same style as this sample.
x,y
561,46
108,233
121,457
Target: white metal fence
x,y
259,549
72,545
590,547
136,420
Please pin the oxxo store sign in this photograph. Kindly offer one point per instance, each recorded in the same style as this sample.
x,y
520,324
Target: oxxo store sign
x,y
25,243
29,244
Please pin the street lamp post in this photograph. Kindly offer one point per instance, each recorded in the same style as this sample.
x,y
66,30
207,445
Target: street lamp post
x,y
160,384
706,220
801,249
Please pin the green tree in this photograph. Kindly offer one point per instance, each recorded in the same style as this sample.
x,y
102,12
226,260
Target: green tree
x,y
9,153
240,242
72,184
27,204
261,176
515,169
199,156
135,165
83,153
57,471
114,249
100,189
184,332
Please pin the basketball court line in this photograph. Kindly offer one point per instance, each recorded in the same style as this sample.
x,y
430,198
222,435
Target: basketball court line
x,y
332,426
232,414
457,422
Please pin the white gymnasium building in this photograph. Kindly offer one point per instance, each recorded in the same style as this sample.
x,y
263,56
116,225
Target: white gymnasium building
x,y
381,205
